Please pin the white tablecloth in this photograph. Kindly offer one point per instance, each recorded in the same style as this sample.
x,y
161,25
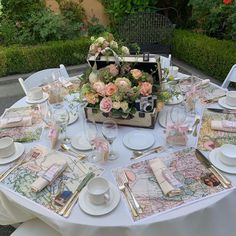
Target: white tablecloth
x,y
209,217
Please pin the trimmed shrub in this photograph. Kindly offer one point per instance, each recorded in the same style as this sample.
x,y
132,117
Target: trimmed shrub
x,y
212,56
23,59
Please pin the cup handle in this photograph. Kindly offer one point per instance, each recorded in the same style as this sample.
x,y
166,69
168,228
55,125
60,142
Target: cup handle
x,y
107,197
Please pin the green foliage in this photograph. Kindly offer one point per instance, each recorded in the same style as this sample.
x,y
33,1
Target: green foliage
x,y
117,9
18,10
35,23
212,56
95,28
23,59
215,18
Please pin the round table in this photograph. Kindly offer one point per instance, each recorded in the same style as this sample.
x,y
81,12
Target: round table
x,y
211,216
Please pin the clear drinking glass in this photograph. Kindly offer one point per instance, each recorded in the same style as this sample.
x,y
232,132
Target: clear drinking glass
x,y
62,117
110,132
91,133
178,115
46,113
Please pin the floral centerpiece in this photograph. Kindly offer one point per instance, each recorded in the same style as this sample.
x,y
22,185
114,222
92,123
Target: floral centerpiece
x,y
118,90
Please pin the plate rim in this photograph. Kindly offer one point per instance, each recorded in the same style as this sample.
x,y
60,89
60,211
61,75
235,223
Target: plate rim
x,y
84,206
45,97
137,148
175,103
227,169
76,147
222,103
15,156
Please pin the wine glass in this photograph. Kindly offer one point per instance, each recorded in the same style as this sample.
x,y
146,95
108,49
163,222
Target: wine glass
x,y
46,114
178,115
91,133
62,117
109,132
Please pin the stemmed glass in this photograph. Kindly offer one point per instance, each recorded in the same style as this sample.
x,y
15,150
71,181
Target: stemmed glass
x,y
46,114
178,115
91,133
62,117
109,132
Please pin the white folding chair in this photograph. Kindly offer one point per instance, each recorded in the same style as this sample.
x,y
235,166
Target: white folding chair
x,y
231,77
165,61
35,227
40,77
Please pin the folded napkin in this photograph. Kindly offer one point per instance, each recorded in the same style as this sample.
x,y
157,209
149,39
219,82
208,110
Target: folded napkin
x,y
169,185
224,125
203,83
48,177
15,122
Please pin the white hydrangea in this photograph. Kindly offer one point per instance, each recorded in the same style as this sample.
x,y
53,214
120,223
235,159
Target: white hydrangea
x,y
125,50
113,44
100,40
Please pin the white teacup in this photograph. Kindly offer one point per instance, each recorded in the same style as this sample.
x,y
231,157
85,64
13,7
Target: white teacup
x,y
228,154
231,98
7,147
35,93
173,71
98,190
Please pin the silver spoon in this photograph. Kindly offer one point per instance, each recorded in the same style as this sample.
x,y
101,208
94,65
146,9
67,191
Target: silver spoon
x,y
68,149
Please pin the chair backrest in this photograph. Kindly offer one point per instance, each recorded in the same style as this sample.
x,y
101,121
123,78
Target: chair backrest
x,y
231,77
152,31
42,76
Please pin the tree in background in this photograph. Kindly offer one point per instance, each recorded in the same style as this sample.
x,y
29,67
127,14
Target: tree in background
x,y
216,18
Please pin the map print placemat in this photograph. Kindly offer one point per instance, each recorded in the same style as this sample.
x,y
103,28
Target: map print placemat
x,y
39,159
210,139
23,134
185,168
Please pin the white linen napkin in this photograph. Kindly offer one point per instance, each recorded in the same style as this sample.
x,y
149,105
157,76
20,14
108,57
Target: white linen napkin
x,y
15,122
224,125
169,185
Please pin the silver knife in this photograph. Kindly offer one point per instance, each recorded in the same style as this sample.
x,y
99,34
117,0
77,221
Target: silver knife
x,y
226,183
65,211
153,150
221,110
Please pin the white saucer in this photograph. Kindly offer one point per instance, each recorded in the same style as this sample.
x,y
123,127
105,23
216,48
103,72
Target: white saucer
x,y
162,117
175,100
138,140
215,160
45,97
222,102
97,210
73,118
20,148
80,143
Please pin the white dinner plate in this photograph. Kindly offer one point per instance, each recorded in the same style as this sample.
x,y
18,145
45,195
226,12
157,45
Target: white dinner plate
x,y
214,157
138,140
45,97
20,148
81,143
97,210
222,102
175,100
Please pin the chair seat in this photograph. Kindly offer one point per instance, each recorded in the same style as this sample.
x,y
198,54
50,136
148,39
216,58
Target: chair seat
x,y
35,227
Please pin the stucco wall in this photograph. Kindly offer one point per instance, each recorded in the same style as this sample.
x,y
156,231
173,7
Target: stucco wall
x,y
92,8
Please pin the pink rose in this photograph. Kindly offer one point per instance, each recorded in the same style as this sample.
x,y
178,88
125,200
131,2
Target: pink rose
x,y
123,84
136,73
113,70
146,88
106,104
110,89
99,87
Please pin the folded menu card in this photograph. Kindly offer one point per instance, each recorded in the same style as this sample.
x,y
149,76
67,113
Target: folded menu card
x,y
168,183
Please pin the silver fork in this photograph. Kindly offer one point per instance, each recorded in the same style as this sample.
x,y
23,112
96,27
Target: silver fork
x,y
123,189
125,180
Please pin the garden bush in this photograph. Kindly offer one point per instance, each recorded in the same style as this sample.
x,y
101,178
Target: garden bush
x,y
23,59
212,56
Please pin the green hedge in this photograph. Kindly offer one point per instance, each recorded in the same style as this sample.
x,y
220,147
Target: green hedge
x,y
212,56
23,59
